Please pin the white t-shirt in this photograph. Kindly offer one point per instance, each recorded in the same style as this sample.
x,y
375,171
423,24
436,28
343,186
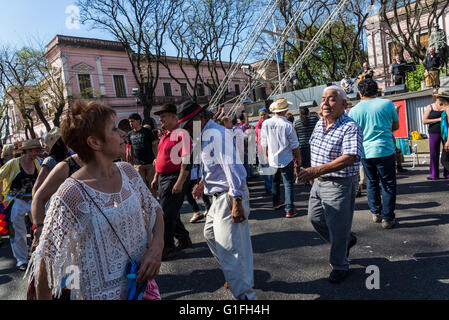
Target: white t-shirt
x,y
280,136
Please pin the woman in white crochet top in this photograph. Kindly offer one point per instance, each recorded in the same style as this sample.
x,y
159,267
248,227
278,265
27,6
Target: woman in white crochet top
x,y
99,218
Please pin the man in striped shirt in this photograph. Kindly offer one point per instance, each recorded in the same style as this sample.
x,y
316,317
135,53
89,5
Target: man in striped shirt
x,y
336,149
304,127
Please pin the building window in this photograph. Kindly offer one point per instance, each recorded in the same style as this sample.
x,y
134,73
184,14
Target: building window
x,y
85,83
184,91
424,42
200,90
237,89
119,85
167,89
393,50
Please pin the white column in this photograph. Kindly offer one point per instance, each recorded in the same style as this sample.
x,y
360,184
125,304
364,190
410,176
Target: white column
x,y
379,53
100,77
369,43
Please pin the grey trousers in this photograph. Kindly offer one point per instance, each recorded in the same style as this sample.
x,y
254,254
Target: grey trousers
x,y
230,244
331,209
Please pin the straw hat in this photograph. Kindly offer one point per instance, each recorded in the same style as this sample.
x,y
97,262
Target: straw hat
x,y
51,137
280,105
8,149
31,144
442,92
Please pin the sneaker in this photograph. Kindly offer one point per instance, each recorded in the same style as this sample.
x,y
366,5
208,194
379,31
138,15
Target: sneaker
x,y
279,204
351,243
377,218
388,224
291,213
181,245
197,216
337,276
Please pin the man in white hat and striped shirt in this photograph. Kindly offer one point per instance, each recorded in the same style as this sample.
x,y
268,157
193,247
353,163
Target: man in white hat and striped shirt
x,y
280,143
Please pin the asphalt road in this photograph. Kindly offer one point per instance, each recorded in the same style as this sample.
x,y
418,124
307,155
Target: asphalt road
x,y
291,261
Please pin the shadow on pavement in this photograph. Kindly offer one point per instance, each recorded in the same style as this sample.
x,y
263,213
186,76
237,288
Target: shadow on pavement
x,y
198,281
405,279
273,241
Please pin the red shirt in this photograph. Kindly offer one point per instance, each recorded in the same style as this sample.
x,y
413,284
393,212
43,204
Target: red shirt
x,y
168,161
258,127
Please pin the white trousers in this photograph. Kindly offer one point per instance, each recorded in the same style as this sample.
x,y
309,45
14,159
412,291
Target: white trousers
x,y
19,242
230,244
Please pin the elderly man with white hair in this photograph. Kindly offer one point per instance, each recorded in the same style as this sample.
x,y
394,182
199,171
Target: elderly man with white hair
x,y
336,149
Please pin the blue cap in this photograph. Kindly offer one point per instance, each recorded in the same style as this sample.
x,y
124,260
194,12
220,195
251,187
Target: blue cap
x,y
263,110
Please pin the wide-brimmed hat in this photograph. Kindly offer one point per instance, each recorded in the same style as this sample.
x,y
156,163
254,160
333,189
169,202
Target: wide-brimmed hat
x,y
8,150
280,105
187,111
31,144
51,137
171,108
442,92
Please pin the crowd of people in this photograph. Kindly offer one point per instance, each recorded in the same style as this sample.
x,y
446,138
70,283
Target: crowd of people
x,y
109,202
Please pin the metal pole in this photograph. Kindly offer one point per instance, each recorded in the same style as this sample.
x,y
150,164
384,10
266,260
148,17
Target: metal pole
x,y
277,54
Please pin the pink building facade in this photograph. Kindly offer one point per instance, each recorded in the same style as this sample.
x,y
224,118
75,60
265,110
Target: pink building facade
x,y
100,70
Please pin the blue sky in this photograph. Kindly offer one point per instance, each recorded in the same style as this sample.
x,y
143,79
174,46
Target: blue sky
x,y
25,20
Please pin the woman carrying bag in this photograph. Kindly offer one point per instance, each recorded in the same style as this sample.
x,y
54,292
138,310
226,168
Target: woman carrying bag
x,y
103,227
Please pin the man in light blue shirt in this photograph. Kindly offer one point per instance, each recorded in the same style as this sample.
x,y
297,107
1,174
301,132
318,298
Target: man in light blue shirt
x,y
378,119
224,178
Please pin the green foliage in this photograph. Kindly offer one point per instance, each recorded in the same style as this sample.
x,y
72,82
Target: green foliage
x,y
415,78
330,59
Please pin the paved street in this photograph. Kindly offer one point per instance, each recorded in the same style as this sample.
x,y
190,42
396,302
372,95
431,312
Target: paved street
x,y
291,262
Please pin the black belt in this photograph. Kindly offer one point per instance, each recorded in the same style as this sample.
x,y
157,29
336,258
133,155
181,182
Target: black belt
x,y
333,178
216,195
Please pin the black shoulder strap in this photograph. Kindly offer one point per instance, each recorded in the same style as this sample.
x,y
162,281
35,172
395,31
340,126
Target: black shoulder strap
x,y
101,211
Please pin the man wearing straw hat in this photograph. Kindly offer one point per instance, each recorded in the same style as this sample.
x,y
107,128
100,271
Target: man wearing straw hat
x,y
280,144
7,153
18,176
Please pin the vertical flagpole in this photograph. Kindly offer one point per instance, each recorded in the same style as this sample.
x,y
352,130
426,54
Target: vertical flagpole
x,y
278,56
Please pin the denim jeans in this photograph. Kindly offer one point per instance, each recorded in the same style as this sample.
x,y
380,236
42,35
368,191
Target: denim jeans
x,y
381,175
266,172
288,177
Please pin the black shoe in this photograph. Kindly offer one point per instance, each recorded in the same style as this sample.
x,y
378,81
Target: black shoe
x,y
181,245
337,276
22,267
166,252
351,243
402,170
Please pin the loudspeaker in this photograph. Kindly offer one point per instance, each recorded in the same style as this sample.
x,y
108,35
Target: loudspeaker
x,y
354,96
308,104
252,108
400,88
260,93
